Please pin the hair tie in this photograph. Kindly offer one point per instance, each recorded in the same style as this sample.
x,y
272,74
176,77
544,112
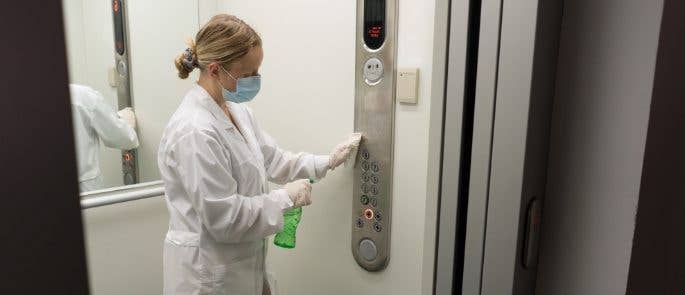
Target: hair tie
x,y
189,59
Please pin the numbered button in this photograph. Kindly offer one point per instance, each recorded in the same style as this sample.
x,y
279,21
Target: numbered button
x,y
374,202
377,227
374,190
365,200
365,155
365,188
366,177
360,223
365,166
375,167
374,179
378,216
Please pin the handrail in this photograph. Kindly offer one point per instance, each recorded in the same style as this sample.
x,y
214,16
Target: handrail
x,y
121,194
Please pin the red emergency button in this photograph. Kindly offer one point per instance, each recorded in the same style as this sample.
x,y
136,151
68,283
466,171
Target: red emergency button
x,y
368,213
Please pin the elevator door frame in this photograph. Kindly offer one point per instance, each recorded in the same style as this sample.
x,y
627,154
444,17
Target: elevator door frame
x,y
495,141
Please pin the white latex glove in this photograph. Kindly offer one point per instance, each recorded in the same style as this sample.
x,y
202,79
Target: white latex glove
x,y
128,116
342,151
300,192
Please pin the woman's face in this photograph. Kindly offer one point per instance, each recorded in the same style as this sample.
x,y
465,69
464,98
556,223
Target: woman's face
x,y
246,66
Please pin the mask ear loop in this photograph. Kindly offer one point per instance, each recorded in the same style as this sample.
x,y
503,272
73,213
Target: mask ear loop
x,y
227,73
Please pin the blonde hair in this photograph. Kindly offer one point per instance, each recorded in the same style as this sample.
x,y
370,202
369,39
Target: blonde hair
x,y
224,39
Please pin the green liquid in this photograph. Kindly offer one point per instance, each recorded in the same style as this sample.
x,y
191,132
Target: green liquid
x,y
286,238
291,218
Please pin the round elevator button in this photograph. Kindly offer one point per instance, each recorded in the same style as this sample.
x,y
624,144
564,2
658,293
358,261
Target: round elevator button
x,y
373,70
374,190
360,223
374,202
368,250
368,213
375,167
374,179
365,188
366,155
365,177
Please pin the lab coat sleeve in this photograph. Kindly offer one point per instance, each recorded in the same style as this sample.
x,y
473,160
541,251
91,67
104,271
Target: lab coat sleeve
x,y
283,166
203,167
112,130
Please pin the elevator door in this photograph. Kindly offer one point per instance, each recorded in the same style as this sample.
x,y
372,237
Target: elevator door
x,y
500,84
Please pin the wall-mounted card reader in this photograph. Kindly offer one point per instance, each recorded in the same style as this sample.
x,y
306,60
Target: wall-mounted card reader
x,y
123,78
374,118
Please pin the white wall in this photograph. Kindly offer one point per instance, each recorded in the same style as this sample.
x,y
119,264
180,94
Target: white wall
x,y
307,104
75,39
604,85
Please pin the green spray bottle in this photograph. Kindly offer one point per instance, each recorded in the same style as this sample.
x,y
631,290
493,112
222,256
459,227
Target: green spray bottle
x,y
291,219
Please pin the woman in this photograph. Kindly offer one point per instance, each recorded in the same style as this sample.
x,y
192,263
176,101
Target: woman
x,y
95,121
215,162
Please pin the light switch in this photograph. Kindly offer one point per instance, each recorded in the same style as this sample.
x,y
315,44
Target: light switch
x,y
407,85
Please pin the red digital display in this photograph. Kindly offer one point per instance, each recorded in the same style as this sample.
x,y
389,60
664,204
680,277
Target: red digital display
x,y
374,23
375,31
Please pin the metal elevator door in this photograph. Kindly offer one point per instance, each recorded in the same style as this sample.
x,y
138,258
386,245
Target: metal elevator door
x,y
500,84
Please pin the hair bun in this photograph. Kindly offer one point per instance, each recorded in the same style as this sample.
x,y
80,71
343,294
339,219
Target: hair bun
x,y
189,59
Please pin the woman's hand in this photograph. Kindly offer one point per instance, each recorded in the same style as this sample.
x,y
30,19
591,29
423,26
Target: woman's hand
x,y
128,116
342,151
300,192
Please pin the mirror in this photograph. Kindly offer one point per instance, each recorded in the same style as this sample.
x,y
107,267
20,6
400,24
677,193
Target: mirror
x,y
123,84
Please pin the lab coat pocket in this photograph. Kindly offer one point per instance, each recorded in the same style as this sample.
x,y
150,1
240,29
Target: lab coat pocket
x,y
212,280
181,268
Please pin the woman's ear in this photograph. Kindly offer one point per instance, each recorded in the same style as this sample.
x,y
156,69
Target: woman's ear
x,y
213,69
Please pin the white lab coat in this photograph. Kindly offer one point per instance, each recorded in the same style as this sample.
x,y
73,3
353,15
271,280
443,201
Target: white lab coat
x,y
220,208
95,120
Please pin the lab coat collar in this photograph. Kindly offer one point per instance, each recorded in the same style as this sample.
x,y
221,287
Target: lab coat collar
x,y
208,103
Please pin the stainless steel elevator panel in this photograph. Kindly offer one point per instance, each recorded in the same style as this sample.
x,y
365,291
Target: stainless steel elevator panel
x,y
374,118
121,59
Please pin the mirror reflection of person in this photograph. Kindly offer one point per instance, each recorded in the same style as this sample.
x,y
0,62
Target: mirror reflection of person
x,y
215,161
95,120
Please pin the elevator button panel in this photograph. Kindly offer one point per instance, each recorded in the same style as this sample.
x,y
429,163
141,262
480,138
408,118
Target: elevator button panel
x,y
375,86
121,62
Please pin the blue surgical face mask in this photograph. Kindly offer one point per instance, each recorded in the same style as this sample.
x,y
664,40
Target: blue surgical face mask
x,y
245,90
